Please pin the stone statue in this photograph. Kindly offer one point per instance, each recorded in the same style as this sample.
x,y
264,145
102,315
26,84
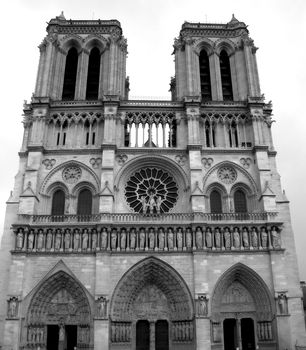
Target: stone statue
x,y
202,305
236,238
49,239
144,204
102,307
158,204
151,238
227,238
85,239
217,238
132,239
179,239
152,203
40,240
94,239
12,308
58,239
275,238
123,239
208,238
161,238
114,239
76,240
61,334
282,303
113,337
199,239
19,239
170,238
142,238
254,238
188,238
216,333
67,240
31,240
104,239
245,238
264,238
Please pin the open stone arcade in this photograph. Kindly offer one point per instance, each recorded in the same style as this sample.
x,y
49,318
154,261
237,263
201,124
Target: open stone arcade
x,y
148,224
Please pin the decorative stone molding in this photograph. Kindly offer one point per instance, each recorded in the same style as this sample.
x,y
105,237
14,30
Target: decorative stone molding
x,y
207,162
227,174
121,159
48,163
180,159
246,162
95,162
13,307
71,174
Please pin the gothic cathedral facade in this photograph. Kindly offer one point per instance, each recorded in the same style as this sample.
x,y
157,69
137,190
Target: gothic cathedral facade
x,y
148,224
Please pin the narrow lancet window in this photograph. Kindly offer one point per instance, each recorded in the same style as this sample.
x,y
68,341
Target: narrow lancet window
x,y
58,203
70,74
226,79
240,202
205,76
92,89
84,202
215,202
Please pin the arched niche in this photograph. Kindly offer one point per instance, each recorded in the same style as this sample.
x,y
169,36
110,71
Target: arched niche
x,y
151,281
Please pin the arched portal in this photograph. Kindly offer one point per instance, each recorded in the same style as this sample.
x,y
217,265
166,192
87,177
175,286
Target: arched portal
x,y
59,315
242,310
152,299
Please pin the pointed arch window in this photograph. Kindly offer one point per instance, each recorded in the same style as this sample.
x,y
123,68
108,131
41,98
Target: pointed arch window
x,y
58,203
93,76
70,74
84,202
215,202
240,202
205,76
226,80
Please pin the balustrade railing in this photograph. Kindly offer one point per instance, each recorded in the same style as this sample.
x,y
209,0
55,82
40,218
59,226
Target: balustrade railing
x,y
141,218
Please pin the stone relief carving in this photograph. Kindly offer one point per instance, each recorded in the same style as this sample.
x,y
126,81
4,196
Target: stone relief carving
x,y
121,158
12,307
246,162
282,303
120,332
227,174
95,162
48,163
180,159
72,174
182,331
207,162
264,331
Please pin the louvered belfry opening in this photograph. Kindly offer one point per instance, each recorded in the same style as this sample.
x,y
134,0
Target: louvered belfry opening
x,y
58,203
240,202
205,76
92,89
70,74
226,80
215,202
84,202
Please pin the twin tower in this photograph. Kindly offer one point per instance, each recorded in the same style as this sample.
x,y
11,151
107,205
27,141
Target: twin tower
x,y
148,224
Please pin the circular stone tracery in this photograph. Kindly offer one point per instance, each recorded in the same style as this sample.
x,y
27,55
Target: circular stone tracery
x,y
227,174
151,190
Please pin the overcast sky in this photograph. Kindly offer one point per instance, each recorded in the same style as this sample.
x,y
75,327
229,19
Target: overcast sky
x,y
278,28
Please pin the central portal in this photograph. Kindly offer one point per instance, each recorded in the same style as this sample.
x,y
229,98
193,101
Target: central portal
x,y
61,337
239,334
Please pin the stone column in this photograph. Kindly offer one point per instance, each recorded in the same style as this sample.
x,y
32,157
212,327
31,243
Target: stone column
x,y
152,335
81,79
215,76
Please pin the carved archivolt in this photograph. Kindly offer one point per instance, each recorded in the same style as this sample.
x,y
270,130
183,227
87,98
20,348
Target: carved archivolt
x,y
140,285
242,288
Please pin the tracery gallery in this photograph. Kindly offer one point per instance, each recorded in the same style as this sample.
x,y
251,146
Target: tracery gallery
x,y
148,225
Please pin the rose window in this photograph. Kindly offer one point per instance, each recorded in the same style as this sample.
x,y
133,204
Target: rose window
x,y
227,174
151,191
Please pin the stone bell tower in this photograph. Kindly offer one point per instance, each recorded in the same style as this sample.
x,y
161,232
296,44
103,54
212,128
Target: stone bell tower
x,y
148,224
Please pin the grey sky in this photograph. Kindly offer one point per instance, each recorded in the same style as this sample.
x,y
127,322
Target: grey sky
x,y
278,28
